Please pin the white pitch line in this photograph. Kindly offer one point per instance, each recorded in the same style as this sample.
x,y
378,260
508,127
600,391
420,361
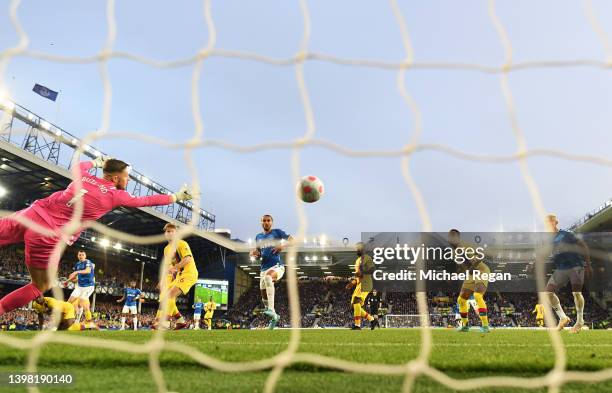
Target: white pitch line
x,y
415,344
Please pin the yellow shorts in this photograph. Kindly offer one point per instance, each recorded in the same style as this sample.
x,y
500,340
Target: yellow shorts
x,y
470,284
359,294
184,283
208,315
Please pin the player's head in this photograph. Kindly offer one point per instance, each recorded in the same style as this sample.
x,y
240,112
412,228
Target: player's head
x,y
82,255
360,247
454,237
133,284
170,231
117,172
266,222
552,223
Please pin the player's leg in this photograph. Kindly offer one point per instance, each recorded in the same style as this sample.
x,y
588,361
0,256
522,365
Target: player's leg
x,y
558,279
124,313
85,307
577,281
356,305
209,323
173,294
40,253
366,315
272,275
479,290
134,311
182,286
196,321
269,278
462,301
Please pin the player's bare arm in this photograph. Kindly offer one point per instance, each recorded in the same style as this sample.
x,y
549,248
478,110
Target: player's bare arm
x,y
184,262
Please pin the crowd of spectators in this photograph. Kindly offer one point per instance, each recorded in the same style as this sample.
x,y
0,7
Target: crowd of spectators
x,y
322,303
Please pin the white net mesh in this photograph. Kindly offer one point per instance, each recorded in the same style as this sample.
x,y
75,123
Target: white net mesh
x,y
420,366
402,321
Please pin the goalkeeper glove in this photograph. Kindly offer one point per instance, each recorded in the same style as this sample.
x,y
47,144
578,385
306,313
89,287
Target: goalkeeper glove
x,y
184,194
100,161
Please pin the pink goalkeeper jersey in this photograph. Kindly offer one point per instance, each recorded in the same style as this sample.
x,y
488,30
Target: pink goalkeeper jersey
x,y
99,197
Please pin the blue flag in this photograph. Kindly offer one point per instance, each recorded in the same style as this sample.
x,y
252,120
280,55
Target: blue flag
x,y
45,92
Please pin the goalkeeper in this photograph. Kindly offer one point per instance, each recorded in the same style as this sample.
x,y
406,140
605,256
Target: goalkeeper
x,y
364,267
99,195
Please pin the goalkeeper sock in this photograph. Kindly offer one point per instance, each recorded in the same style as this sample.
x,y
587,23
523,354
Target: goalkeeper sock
x,y
556,305
364,314
357,314
19,298
463,310
579,302
269,291
88,316
122,323
135,320
482,308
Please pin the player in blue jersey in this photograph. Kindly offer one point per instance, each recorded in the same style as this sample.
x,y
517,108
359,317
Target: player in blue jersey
x,y
571,260
84,275
198,306
131,296
269,245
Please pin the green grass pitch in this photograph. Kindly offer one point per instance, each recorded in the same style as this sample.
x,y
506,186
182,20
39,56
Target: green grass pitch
x,y
524,353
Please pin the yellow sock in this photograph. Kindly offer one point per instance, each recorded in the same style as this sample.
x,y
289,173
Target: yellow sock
x,y
174,310
463,310
482,308
88,316
75,326
364,314
357,314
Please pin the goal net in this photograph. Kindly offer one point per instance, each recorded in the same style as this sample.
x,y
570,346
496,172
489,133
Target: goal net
x,y
407,62
402,321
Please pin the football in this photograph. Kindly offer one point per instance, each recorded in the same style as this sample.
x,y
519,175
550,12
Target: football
x,y
310,189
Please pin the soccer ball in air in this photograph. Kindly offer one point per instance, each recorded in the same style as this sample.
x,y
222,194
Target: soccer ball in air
x,y
310,189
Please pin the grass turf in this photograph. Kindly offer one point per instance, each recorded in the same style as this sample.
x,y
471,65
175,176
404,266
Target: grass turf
x,y
524,353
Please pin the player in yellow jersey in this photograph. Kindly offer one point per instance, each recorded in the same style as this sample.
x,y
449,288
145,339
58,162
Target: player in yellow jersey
x,y
45,306
209,309
470,285
180,265
364,267
539,312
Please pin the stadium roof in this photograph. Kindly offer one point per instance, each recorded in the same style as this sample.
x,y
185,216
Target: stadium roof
x,y
598,220
34,164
